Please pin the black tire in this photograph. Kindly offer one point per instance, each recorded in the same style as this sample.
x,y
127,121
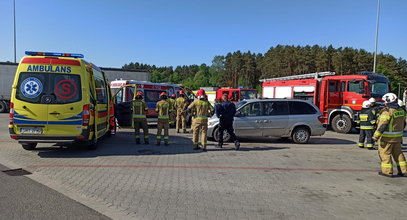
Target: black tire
x,y
226,135
3,107
29,146
301,135
93,144
342,123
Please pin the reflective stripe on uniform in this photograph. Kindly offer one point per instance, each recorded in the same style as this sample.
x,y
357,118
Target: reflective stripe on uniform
x,y
387,165
393,134
139,116
369,145
163,117
377,133
361,145
366,127
166,137
146,137
384,117
137,136
363,117
402,163
158,137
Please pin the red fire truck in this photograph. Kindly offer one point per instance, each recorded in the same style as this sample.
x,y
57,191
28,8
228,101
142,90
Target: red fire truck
x,y
234,94
339,98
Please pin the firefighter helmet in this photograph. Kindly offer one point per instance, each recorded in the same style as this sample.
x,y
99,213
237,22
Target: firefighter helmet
x,y
181,92
201,94
366,104
372,100
400,102
174,96
389,98
163,93
139,93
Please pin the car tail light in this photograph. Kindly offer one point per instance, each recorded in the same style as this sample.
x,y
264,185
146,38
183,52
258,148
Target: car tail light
x,y
11,113
85,115
321,118
13,136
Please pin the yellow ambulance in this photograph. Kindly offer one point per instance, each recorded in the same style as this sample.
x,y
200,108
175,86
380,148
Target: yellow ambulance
x,y
59,98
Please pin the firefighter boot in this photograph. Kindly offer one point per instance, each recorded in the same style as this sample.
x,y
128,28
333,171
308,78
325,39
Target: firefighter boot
x,y
158,142
177,130
166,143
386,175
137,140
196,146
204,148
185,131
146,141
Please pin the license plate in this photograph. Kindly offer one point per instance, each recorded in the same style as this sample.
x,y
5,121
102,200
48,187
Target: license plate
x,y
30,130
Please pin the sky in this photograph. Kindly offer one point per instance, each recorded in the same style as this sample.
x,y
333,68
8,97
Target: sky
x,y
183,32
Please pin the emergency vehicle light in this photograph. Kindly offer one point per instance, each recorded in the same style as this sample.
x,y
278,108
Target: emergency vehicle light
x,y
34,53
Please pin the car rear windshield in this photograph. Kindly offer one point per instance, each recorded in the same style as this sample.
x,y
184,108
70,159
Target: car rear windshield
x,y
152,95
46,88
301,108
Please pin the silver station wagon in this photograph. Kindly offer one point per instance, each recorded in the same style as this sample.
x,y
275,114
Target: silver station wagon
x,y
283,118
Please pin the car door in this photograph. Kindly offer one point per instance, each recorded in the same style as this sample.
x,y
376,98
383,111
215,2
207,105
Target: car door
x,y
122,108
275,118
246,123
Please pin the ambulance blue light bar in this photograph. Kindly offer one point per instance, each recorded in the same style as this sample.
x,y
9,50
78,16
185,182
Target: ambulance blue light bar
x,y
35,53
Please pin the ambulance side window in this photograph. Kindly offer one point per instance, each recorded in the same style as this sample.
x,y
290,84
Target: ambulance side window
x,y
101,94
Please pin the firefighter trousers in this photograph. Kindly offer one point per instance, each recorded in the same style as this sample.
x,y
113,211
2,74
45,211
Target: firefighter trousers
x,y
366,134
181,121
386,152
228,126
199,127
163,124
141,123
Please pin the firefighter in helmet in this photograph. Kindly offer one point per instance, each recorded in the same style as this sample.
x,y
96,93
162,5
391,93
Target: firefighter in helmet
x,y
201,109
171,101
139,117
366,121
163,110
375,107
181,104
389,134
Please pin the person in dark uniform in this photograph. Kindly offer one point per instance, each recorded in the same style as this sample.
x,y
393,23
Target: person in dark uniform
x,y
226,112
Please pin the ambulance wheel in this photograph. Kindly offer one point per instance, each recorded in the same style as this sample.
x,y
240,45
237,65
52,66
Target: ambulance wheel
x,y
341,123
226,135
3,106
301,135
29,146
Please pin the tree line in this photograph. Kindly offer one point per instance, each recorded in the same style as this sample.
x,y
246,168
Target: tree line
x,y
247,68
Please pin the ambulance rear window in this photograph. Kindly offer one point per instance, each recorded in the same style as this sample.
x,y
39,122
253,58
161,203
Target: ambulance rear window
x,y
46,88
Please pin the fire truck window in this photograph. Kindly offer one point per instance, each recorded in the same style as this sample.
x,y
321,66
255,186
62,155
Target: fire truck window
x,y
343,86
275,108
235,96
332,86
354,86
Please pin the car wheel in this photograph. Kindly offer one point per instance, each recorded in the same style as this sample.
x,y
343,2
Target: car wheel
x,y
301,135
226,135
342,123
29,146
3,106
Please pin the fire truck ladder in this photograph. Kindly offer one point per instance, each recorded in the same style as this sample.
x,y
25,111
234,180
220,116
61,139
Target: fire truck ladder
x,y
302,76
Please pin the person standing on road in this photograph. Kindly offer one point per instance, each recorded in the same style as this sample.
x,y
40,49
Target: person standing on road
x,y
181,104
139,117
226,113
171,101
389,133
367,122
201,110
163,110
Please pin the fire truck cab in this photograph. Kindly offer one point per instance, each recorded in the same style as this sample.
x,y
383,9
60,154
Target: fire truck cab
x,y
339,98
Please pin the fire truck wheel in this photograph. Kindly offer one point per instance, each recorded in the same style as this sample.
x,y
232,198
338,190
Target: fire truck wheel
x,y
341,123
29,146
300,135
226,135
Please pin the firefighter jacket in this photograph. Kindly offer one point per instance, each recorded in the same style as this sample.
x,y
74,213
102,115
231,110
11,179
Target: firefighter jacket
x,y
139,108
181,104
163,109
201,109
172,104
390,124
367,119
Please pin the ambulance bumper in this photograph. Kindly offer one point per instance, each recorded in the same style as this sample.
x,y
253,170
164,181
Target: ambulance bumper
x,y
48,139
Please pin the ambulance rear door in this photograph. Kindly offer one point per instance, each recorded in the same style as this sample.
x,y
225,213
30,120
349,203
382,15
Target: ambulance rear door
x,y
123,104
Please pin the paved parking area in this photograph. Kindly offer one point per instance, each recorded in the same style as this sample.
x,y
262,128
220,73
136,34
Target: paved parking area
x,y
329,178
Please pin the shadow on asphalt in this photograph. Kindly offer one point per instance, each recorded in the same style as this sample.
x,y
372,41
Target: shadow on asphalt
x,y
312,140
